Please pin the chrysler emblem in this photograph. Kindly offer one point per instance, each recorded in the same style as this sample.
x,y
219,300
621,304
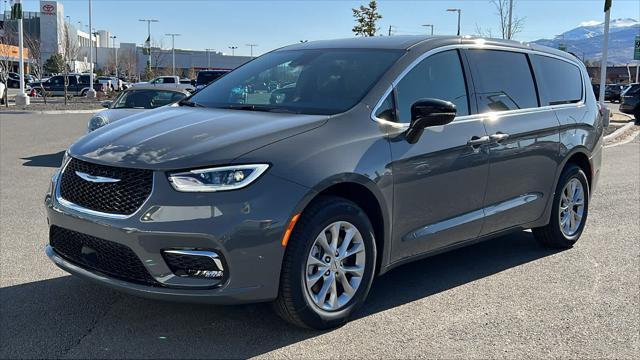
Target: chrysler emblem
x,y
96,179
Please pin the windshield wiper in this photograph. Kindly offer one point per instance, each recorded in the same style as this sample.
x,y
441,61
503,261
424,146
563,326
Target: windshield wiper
x,y
259,108
189,103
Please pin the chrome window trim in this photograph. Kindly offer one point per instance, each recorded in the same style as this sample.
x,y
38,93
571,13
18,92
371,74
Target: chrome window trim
x,y
479,45
75,207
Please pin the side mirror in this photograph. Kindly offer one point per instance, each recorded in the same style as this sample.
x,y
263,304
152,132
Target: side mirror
x,y
426,113
106,104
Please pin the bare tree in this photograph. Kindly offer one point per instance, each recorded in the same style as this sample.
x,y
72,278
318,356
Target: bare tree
x,y
7,41
509,27
36,63
128,62
482,32
158,55
69,54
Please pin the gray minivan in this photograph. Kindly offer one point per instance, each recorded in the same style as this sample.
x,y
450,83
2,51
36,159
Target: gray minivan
x,y
373,152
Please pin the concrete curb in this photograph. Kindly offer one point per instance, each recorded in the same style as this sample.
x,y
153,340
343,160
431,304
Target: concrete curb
x,y
49,112
617,133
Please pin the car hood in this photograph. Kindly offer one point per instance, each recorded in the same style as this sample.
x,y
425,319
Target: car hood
x,y
174,137
112,115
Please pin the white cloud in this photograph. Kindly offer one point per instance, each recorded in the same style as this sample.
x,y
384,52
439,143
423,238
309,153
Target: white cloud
x,y
590,23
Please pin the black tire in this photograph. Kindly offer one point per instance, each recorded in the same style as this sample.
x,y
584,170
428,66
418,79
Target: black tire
x,y
83,93
636,115
293,304
551,235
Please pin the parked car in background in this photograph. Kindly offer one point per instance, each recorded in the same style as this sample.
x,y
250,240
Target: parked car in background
x,y
13,80
79,85
630,103
167,82
613,91
206,77
386,150
133,101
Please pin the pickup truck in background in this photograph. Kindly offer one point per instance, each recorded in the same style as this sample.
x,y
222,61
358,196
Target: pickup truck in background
x,y
78,85
168,82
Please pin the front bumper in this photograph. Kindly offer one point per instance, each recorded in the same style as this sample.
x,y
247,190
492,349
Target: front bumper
x,y
245,227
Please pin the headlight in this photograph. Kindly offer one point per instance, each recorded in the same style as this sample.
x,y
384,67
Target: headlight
x,y
96,122
217,179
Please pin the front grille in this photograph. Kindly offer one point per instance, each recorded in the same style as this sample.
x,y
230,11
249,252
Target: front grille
x,y
104,256
123,197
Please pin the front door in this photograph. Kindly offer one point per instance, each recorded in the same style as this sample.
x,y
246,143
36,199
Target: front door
x,y
440,181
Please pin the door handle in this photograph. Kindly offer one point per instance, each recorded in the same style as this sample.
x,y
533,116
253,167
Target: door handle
x,y
478,140
497,137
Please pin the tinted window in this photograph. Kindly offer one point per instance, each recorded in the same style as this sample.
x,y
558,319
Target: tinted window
x,y
146,99
502,80
439,76
205,77
314,81
559,82
167,80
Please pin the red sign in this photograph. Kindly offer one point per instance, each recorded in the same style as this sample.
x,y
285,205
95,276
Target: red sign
x,y
48,9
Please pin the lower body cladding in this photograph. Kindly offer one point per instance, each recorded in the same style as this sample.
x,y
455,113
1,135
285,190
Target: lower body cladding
x,y
221,247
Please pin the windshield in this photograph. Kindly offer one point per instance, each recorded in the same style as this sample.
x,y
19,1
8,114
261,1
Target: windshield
x,y
326,81
146,99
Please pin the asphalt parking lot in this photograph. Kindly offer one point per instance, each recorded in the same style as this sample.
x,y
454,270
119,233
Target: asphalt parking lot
x,y
505,298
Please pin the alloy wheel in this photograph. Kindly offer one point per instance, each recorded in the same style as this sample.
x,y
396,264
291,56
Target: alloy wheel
x,y
571,209
335,266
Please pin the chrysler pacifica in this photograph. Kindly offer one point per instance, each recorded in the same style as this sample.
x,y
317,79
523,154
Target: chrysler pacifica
x,y
358,156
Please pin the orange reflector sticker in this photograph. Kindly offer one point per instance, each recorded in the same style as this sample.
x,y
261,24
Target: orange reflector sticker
x,y
287,233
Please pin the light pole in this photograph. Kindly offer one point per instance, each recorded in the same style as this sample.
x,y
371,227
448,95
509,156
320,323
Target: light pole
x,y
148,42
233,49
21,98
431,26
459,13
91,94
252,46
209,58
173,52
116,50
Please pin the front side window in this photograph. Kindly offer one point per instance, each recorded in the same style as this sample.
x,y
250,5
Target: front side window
x,y
439,76
312,81
559,81
503,80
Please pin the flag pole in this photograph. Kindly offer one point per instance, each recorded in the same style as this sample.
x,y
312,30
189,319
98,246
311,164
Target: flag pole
x,y
603,62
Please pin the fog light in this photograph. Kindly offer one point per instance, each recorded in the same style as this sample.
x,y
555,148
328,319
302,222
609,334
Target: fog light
x,y
204,264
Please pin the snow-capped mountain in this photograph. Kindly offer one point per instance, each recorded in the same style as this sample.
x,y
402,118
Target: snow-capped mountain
x,y
586,40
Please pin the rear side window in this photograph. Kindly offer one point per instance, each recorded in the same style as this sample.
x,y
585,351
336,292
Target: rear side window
x,y
503,80
559,82
439,76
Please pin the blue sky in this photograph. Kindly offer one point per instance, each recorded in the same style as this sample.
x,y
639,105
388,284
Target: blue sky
x,y
271,24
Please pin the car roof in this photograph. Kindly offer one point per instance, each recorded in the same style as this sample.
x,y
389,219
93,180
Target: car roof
x,y
159,88
406,42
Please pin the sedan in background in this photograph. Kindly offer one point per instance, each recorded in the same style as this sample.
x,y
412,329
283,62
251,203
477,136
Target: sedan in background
x,y
135,100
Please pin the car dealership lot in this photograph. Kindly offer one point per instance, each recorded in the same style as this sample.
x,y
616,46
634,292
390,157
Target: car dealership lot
x,y
507,297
